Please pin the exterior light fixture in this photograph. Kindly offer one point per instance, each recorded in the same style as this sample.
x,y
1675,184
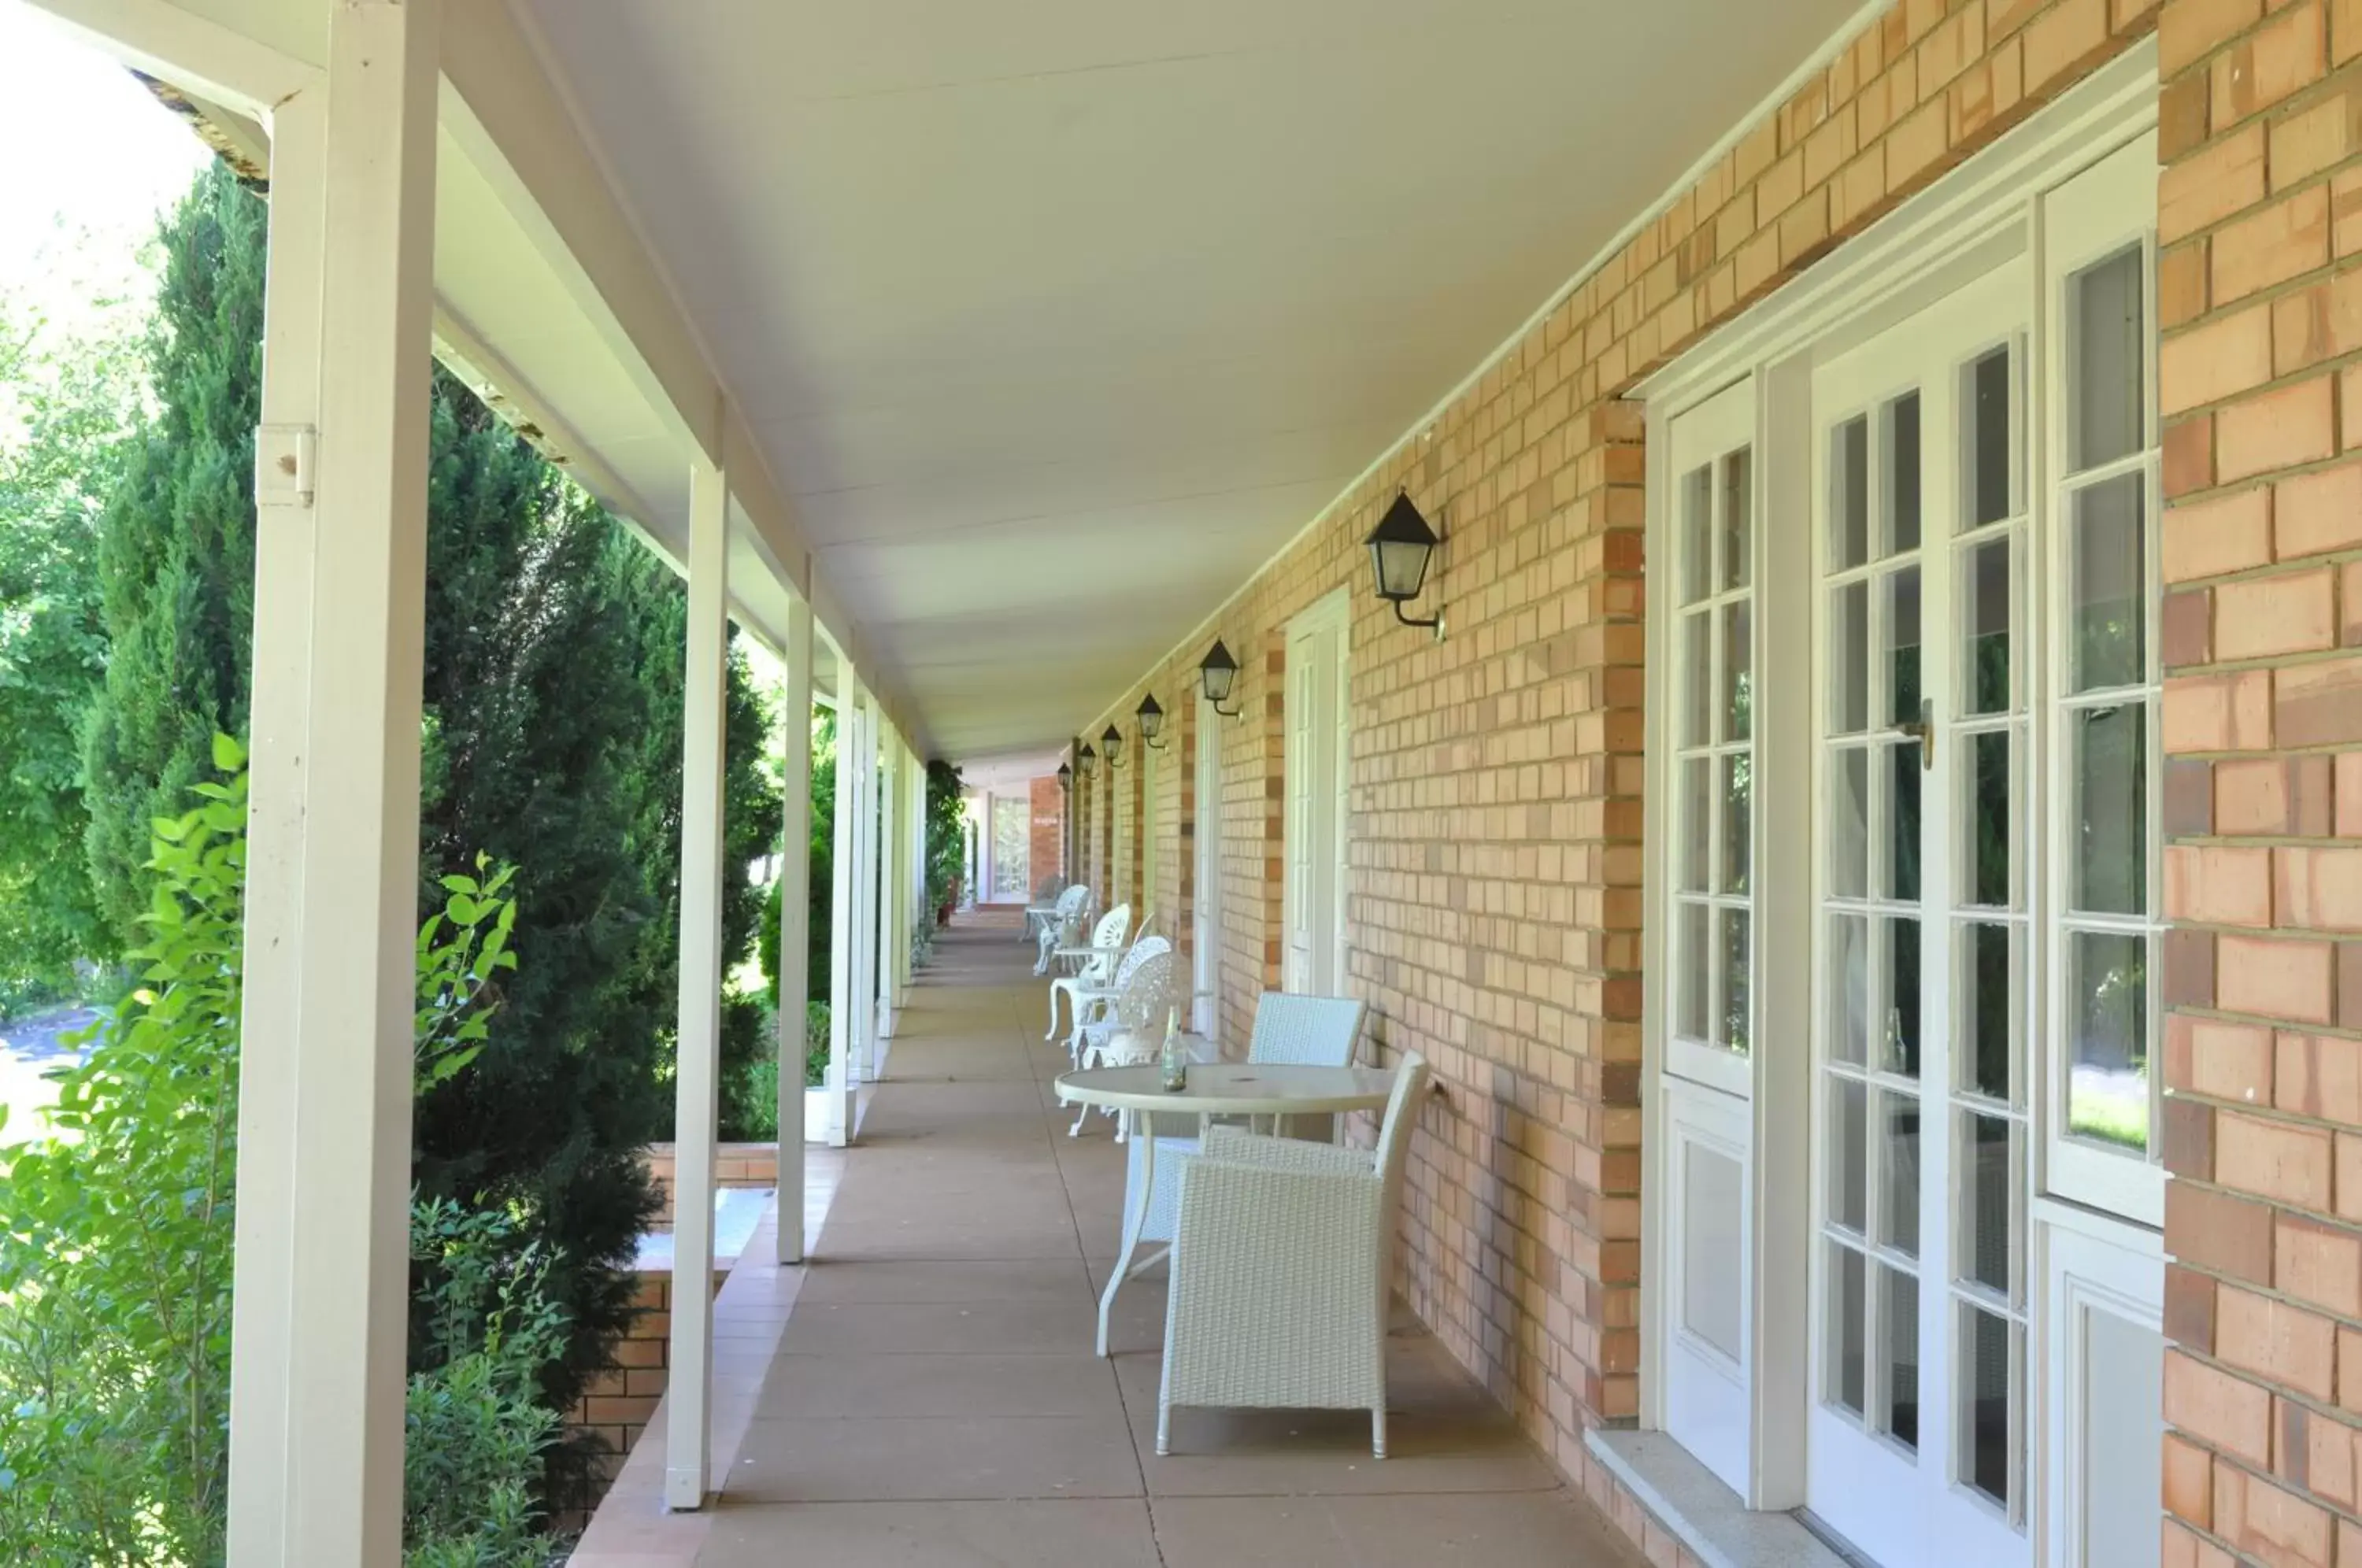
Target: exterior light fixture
x,y
1217,672
1065,778
1111,745
1400,546
1084,760
1152,723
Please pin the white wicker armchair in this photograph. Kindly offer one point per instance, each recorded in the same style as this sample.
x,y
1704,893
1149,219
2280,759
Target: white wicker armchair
x,y
1091,966
1282,1271
1309,1032
1066,925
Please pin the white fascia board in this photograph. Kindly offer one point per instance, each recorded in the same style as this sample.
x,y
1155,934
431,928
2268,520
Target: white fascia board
x,y
769,509
509,120
177,46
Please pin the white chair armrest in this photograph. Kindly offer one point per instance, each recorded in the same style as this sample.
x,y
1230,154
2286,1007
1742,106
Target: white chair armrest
x,y
1239,1147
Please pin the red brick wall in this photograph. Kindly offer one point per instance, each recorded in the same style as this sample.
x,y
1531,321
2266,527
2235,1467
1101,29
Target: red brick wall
x,y
2260,221
1047,849
1494,898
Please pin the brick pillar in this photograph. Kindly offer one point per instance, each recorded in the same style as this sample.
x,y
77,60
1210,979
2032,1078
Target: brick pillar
x,y
2258,295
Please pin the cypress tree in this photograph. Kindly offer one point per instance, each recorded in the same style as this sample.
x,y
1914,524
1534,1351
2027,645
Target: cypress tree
x,y
176,546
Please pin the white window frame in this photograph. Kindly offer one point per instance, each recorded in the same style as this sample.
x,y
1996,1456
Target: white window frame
x,y
1958,229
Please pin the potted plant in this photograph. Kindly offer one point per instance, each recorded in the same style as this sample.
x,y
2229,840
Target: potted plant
x,y
945,846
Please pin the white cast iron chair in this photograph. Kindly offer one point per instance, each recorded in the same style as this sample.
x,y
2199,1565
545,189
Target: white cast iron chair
x,y
1132,1032
1307,1031
1043,910
1092,966
1280,1271
1099,1016
1063,927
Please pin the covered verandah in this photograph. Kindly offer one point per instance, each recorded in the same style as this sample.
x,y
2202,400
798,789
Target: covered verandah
x,y
923,1390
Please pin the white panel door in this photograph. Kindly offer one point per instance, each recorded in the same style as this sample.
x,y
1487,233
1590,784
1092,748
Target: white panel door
x,y
1313,769
1206,889
1918,1434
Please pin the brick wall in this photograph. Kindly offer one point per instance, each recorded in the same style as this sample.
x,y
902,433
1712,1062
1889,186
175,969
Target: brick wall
x,y
734,1165
615,1410
1494,906
2261,305
1047,849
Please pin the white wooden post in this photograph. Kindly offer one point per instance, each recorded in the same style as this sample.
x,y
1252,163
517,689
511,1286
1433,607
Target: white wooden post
x,y
795,928
323,1239
842,947
890,869
697,1078
865,864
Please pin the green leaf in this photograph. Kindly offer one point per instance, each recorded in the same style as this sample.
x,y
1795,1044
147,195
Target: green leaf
x,y
228,755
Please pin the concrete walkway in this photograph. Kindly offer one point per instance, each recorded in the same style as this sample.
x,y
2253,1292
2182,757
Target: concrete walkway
x,y
933,1399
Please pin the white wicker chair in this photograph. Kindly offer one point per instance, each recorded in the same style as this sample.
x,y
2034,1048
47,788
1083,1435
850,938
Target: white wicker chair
x,y
1091,966
1280,1271
1308,1031
1132,1031
1066,926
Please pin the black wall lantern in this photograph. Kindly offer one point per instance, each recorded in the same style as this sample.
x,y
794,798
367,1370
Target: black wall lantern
x,y
1065,778
1111,745
1217,671
1400,548
1152,723
1083,760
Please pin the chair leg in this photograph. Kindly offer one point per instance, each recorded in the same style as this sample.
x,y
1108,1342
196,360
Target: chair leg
x,y
1053,1034
1164,1429
1377,1430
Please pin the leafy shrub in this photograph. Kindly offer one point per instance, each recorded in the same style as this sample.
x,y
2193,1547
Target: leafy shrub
x,y
115,1259
754,1099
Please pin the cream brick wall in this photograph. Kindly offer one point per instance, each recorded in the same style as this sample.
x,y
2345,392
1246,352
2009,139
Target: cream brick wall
x,y
1493,907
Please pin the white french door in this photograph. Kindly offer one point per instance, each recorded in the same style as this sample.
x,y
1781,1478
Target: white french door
x,y
1315,767
1206,887
1920,1261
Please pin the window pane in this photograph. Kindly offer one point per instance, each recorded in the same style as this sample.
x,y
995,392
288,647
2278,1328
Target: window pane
x,y
1737,509
1697,534
1989,846
1736,968
1849,495
1988,1184
1903,774
1696,822
1901,1049
1985,443
1737,681
1985,617
1845,1332
1849,660
1849,982
1012,823
2107,1085
1848,1175
1692,968
1698,680
1898,1307
1989,1388
1738,817
2110,588
1903,652
2104,360
1849,823
1898,1158
1899,447
1989,1011
2111,782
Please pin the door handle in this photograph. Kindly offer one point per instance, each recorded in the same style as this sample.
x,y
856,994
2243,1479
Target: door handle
x,y
1923,730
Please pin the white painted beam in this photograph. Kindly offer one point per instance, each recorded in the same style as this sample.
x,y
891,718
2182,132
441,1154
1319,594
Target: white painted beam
x,y
795,928
174,44
698,1073
320,1384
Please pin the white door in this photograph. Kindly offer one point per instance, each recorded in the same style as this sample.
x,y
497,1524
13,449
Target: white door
x,y
1207,886
1918,1429
1709,1063
1314,766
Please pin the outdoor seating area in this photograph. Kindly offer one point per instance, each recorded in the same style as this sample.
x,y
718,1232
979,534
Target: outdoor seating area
x,y
924,1391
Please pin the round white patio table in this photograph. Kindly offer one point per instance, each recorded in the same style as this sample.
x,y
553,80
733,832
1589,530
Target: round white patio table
x,y
1215,1088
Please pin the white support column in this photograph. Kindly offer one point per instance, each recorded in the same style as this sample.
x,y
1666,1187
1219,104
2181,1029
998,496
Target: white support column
x,y
890,869
842,947
915,885
794,928
323,1239
697,1078
865,864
